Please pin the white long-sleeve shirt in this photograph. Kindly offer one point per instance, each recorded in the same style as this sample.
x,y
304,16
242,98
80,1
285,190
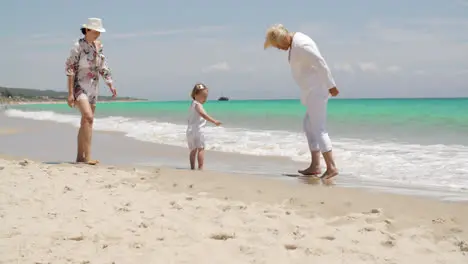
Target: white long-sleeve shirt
x,y
309,69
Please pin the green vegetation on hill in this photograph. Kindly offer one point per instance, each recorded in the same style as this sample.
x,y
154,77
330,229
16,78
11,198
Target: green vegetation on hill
x,y
32,94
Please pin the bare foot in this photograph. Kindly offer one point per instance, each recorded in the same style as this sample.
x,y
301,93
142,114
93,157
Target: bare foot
x,y
310,171
92,162
329,174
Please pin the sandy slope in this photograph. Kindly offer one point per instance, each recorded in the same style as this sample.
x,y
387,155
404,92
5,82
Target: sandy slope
x,y
84,214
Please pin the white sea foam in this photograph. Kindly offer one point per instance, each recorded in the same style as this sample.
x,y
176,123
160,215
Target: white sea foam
x,y
415,165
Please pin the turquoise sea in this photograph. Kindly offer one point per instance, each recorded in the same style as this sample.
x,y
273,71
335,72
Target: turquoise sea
x,y
408,141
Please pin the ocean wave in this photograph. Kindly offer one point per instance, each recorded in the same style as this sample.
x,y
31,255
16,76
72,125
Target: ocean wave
x,y
406,164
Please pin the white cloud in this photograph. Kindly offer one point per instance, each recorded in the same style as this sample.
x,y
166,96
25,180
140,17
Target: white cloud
x,y
144,34
218,67
463,2
312,29
39,35
400,35
440,21
343,67
50,39
461,72
420,72
165,32
411,44
368,66
393,69
365,67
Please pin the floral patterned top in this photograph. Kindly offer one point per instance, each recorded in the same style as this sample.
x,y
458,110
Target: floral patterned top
x,y
86,62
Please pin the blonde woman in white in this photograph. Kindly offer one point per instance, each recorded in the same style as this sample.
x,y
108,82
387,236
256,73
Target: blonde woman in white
x,y
313,76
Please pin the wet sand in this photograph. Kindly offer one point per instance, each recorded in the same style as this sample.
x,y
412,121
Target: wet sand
x,y
54,142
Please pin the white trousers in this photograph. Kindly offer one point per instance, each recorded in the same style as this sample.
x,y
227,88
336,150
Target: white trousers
x,y
315,124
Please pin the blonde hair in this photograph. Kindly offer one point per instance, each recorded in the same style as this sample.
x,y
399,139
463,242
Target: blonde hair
x,y
197,88
275,34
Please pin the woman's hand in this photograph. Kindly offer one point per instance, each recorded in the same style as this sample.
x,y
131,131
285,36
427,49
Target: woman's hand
x,y
71,100
333,91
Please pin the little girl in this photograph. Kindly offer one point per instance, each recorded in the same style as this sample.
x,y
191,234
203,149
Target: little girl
x,y
196,123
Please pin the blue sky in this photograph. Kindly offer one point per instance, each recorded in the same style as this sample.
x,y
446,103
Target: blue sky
x,y
159,49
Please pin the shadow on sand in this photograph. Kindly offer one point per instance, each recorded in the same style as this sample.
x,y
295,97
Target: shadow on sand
x,y
58,162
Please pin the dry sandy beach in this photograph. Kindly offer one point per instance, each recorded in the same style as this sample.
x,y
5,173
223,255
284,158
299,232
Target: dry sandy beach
x,y
67,213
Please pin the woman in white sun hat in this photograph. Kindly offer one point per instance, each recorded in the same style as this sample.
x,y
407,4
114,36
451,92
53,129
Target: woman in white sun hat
x,y
83,67
313,76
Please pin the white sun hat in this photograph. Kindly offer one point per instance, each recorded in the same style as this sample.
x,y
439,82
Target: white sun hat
x,y
94,24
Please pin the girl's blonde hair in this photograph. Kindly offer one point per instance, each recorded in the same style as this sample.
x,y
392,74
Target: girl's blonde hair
x,y
198,88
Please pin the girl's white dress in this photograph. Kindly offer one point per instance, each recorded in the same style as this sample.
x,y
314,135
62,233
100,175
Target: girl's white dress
x,y
195,127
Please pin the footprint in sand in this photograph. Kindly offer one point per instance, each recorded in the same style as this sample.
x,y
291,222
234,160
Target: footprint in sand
x,y
330,238
246,250
175,205
143,225
298,234
367,229
438,221
456,230
76,238
388,243
222,236
136,245
463,246
290,247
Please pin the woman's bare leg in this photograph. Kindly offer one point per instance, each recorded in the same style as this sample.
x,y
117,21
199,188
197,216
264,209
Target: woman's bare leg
x,y
80,153
88,147
314,167
331,171
85,133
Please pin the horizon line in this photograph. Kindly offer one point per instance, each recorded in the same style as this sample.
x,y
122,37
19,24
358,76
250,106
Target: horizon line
x,y
264,99
297,99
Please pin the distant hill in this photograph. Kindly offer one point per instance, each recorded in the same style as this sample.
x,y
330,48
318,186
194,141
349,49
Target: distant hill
x,y
47,94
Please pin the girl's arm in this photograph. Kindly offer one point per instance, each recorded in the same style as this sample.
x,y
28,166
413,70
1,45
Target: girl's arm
x,y
203,114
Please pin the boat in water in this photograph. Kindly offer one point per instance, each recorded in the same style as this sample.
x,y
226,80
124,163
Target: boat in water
x,y
223,98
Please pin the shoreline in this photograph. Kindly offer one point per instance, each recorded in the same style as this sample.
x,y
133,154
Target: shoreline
x,y
131,214
17,138
64,102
